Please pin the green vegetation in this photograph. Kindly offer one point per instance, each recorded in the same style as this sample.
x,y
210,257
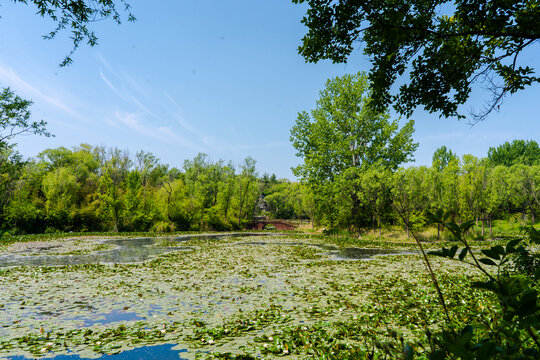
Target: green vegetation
x,y
229,297
516,152
91,189
439,48
77,17
511,272
340,141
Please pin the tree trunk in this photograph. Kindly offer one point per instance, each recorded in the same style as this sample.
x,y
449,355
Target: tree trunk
x,y
407,227
373,224
380,227
438,231
482,226
490,227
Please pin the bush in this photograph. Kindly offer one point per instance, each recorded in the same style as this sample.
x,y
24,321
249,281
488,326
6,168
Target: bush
x,y
163,227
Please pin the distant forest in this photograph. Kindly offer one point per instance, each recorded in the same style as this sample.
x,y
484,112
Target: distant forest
x,y
94,188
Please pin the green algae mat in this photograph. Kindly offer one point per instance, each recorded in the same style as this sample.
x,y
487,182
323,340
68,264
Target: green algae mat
x,y
234,296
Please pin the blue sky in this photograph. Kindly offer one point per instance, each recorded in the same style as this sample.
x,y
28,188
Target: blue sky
x,y
223,78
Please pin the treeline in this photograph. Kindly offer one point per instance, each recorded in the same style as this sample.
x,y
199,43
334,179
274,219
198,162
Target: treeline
x,y
504,185
91,188
105,189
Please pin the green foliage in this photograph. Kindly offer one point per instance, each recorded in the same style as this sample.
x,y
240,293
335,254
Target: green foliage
x,y
15,118
443,47
339,140
517,152
511,274
442,158
77,16
88,188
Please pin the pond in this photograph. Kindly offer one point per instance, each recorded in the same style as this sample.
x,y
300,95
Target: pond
x,y
191,291
161,352
337,253
132,250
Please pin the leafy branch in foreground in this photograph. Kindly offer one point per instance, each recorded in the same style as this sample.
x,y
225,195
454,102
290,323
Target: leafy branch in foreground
x,y
511,273
15,118
441,49
77,15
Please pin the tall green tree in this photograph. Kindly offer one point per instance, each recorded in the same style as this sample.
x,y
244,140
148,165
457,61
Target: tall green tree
x,y
526,152
441,48
112,183
442,157
410,195
343,135
376,190
11,169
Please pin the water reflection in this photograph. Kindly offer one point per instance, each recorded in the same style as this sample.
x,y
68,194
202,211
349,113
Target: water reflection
x,y
125,251
162,352
107,318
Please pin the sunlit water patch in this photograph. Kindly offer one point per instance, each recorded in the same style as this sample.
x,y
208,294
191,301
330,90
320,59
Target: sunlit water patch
x,y
162,352
124,251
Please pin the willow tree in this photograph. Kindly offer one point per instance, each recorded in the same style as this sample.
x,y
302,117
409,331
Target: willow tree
x,y
342,137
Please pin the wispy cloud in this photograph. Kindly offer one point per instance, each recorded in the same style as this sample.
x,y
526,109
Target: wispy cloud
x,y
181,121
37,93
125,94
160,133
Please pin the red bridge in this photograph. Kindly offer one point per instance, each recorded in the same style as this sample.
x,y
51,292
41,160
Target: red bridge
x,y
262,224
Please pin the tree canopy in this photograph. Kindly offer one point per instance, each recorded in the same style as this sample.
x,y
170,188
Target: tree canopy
x,y
340,139
442,157
444,47
343,132
526,152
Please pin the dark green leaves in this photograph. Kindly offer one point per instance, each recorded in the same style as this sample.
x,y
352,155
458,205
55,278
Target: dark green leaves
x,y
76,16
495,252
488,262
442,55
448,253
15,118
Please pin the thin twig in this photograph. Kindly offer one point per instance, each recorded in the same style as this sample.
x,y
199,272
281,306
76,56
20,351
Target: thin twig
x,y
428,264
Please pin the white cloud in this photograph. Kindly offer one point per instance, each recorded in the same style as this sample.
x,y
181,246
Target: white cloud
x,y
183,123
36,93
125,94
161,133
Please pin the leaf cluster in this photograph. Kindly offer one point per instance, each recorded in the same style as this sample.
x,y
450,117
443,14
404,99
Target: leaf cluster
x,y
76,16
443,47
511,273
15,118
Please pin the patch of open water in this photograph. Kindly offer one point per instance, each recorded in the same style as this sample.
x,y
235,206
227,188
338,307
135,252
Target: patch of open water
x,y
162,352
141,249
125,251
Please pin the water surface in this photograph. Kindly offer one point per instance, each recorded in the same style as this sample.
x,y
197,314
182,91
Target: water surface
x,y
161,352
124,251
